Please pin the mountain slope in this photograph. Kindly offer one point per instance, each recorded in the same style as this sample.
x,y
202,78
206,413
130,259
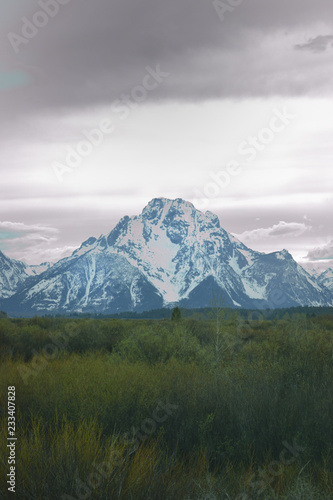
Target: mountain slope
x,y
284,283
14,274
326,279
92,282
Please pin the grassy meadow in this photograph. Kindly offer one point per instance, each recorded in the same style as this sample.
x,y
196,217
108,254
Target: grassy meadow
x,y
228,408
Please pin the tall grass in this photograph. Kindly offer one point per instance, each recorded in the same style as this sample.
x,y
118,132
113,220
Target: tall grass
x,y
225,423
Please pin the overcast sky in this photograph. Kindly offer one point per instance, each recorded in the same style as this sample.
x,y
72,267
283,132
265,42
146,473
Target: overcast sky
x,y
229,107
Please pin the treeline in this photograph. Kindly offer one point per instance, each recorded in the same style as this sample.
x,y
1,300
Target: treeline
x,y
231,407
27,337
201,313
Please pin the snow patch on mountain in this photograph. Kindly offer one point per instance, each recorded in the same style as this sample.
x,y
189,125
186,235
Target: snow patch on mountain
x,y
326,279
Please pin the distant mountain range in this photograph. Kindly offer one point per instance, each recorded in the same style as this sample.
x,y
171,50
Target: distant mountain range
x,y
14,274
169,254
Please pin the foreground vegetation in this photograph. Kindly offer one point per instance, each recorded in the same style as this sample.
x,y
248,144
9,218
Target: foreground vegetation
x,y
227,408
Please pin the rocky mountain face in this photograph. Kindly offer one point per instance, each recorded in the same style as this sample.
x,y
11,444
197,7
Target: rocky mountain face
x,y
326,279
13,274
169,254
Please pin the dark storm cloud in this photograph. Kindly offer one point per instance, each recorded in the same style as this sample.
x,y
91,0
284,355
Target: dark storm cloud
x,y
318,44
91,52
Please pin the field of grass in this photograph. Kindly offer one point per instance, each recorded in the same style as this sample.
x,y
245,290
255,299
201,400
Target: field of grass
x,y
226,408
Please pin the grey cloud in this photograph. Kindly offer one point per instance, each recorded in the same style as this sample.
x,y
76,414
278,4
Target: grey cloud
x,y
323,252
25,228
26,241
277,230
318,44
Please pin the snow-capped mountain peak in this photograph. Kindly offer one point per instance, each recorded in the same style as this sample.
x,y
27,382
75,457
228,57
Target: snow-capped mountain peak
x,y
170,253
175,246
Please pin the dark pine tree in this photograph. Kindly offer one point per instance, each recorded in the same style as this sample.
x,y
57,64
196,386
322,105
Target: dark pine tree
x,y
176,314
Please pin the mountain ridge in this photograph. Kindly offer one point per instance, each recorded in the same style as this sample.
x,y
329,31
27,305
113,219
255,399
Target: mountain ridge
x,y
169,254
